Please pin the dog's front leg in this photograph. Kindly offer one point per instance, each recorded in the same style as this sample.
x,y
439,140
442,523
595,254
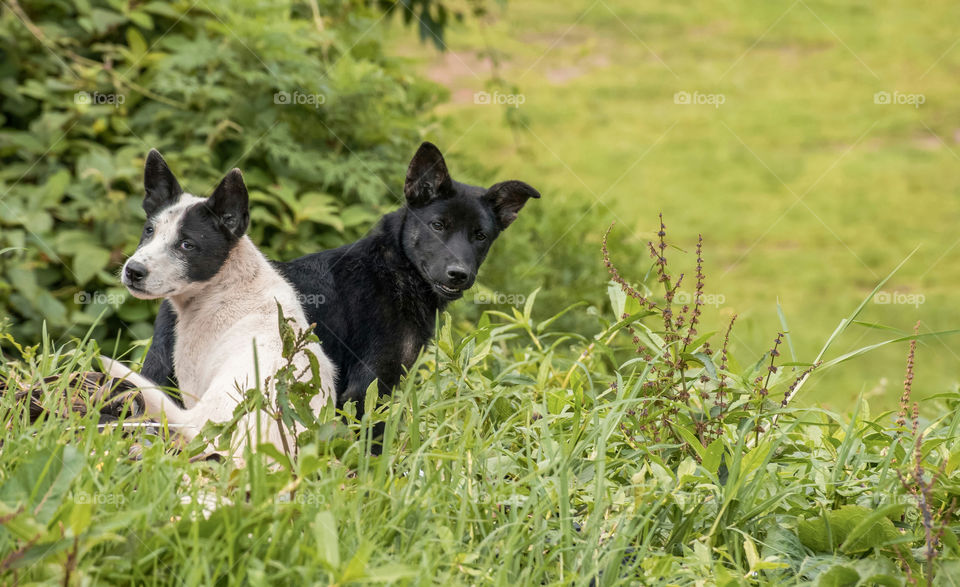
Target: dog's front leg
x,y
155,400
158,364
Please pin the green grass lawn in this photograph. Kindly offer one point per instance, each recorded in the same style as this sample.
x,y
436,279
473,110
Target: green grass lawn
x,y
507,460
805,190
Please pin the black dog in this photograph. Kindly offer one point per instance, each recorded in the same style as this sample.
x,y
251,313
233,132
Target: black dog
x,y
374,301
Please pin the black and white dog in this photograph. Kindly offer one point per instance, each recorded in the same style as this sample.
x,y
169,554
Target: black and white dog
x,y
378,297
225,293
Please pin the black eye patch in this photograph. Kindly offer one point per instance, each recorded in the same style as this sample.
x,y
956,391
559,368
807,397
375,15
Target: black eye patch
x,y
211,244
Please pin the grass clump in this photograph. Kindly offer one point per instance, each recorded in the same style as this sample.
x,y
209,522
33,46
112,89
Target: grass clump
x,y
513,452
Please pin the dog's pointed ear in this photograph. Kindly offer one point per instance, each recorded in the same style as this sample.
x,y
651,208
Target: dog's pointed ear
x,y
230,204
427,176
161,188
507,197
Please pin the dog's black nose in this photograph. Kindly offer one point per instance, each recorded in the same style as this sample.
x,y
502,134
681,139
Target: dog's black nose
x,y
457,275
134,271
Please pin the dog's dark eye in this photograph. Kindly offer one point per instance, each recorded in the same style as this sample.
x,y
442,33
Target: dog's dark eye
x,y
480,236
187,245
436,225
148,231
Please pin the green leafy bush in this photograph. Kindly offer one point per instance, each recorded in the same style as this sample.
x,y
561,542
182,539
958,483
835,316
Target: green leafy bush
x,y
299,95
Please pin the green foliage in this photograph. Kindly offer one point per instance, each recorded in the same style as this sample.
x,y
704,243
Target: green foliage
x,y
299,95
515,452
434,16
851,528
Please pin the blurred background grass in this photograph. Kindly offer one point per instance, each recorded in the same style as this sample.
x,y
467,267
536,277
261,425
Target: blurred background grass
x,y
806,190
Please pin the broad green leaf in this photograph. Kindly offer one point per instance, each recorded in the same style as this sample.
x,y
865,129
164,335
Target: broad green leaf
x,y
618,299
87,261
851,528
54,189
873,530
325,534
41,483
839,576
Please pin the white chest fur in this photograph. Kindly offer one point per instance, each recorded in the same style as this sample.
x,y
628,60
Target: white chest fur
x,y
221,322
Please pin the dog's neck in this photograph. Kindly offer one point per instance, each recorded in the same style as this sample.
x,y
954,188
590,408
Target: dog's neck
x,y
398,263
240,273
